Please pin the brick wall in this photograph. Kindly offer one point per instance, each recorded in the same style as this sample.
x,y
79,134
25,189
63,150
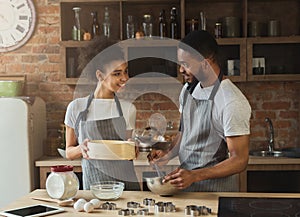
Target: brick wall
x,y
40,61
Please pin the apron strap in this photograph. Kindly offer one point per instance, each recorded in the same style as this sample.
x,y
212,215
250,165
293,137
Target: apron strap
x,y
83,114
118,105
211,97
216,86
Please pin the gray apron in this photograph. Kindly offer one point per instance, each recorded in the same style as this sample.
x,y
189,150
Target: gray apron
x,y
200,145
105,170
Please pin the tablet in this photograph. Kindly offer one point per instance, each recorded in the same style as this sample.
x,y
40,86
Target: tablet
x,y
32,211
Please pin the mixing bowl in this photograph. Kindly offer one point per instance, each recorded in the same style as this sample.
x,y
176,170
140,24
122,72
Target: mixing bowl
x,y
156,186
11,88
107,190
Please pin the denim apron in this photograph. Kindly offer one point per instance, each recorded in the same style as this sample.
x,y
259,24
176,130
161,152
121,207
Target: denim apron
x,y
105,170
200,145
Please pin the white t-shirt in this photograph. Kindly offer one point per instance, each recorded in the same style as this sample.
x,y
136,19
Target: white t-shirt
x,y
231,110
100,109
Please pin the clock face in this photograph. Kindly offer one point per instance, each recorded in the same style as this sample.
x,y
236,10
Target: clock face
x,y
17,22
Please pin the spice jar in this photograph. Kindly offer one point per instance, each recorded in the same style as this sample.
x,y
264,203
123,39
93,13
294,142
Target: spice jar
x,y
147,25
62,183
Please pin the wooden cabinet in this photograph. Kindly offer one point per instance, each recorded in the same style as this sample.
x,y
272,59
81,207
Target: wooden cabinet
x,y
275,57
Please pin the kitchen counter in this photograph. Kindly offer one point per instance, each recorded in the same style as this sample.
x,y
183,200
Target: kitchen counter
x,y
141,165
180,201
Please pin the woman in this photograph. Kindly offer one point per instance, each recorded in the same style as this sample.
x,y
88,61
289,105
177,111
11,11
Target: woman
x,y
102,115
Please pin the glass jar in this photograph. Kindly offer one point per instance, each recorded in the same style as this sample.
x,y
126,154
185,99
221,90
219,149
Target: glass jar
x,y
130,31
147,26
76,31
62,183
174,30
106,23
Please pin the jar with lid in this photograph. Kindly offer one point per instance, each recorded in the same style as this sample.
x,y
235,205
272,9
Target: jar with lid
x,y
95,24
62,183
162,24
147,26
174,30
218,30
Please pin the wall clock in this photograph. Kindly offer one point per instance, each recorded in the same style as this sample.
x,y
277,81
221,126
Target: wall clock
x,y
17,22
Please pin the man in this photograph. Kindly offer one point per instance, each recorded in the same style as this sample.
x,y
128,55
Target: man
x,y
212,143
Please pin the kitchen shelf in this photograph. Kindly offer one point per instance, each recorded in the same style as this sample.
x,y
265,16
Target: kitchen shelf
x,y
281,56
242,49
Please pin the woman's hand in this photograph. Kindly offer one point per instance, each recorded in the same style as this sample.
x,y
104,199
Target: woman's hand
x,y
158,157
84,149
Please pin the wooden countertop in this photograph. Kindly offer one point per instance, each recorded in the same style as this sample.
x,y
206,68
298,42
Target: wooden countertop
x,y
47,161
208,199
272,160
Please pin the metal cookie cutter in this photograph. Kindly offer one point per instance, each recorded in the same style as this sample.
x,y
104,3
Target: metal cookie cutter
x,y
126,212
133,204
143,212
164,207
108,206
149,202
194,210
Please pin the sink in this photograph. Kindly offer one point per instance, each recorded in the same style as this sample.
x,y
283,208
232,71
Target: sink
x,y
293,152
287,152
267,153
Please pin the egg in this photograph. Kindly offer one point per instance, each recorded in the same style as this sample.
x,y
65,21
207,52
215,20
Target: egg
x,y
78,206
82,200
88,207
96,203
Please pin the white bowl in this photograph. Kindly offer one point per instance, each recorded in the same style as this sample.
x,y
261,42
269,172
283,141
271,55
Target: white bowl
x,y
111,150
62,152
107,190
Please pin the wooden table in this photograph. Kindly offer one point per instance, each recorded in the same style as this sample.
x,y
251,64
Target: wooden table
x,y
180,201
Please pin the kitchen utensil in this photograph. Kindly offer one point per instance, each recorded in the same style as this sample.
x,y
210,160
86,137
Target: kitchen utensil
x,y
274,28
156,186
107,190
68,202
148,138
254,29
158,122
231,27
111,150
159,173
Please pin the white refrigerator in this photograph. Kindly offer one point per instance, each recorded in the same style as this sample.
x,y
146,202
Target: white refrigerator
x,y
22,133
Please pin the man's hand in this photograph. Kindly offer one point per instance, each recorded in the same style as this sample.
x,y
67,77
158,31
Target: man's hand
x,y
180,178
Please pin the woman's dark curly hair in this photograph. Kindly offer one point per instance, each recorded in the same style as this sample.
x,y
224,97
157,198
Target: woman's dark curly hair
x,y
99,52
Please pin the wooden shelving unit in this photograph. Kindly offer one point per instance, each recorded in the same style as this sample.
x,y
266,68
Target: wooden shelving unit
x,y
243,48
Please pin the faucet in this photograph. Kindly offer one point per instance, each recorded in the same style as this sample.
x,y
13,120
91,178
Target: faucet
x,y
271,140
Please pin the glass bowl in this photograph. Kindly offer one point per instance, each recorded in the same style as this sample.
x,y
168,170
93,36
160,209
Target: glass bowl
x,y
107,190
